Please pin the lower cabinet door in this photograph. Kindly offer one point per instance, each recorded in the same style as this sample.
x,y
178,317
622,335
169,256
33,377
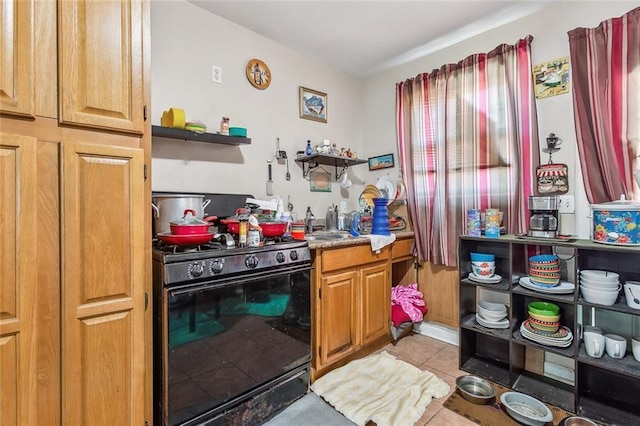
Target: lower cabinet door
x,y
376,302
103,294
338,334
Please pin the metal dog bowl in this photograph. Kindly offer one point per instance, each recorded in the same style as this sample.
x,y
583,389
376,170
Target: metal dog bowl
x,y
475,389
577,421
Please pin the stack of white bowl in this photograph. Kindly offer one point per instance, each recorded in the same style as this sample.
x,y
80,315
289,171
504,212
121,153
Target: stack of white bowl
x,y
492,315
599,287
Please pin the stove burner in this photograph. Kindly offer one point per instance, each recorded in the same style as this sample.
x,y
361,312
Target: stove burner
x,y
277,240
216,244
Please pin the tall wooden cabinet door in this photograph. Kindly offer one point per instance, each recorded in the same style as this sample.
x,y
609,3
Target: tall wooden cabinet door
x,y
17,47
103,295
375,302
101,64
338,334
18,381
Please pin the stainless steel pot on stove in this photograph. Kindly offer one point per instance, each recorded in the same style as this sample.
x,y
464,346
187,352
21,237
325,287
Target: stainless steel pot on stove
x,y
171,207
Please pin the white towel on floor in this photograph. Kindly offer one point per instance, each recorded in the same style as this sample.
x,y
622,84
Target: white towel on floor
x,y
380,388
379,241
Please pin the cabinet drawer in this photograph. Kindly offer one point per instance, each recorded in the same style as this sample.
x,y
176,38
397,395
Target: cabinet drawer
x,y
351,256
401,249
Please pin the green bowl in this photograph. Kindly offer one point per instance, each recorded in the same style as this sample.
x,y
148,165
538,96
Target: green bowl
x,y
544,308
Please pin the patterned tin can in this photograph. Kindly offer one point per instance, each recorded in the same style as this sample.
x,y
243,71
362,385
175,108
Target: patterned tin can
x,y
473,223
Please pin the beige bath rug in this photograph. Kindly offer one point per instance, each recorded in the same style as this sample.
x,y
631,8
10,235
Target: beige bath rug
x,y
380,388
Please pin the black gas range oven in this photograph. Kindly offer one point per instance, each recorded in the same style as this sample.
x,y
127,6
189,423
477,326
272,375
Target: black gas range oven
x,y
232,331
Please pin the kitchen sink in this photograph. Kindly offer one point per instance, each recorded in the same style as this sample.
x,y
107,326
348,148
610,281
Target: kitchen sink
x,y
328,236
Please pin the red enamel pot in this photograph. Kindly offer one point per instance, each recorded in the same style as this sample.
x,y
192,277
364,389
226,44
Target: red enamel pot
x,y
186,239
191,225
233,225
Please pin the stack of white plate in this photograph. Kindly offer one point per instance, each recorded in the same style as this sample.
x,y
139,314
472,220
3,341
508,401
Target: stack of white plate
x,y
494,279
561,338
601,287
492,315
563,287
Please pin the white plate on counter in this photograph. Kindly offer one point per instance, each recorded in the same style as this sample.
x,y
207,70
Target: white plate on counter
x,y
564,287
485,280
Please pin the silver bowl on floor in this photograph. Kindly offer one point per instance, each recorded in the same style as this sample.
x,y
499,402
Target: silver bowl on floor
x,y
577,421
475,389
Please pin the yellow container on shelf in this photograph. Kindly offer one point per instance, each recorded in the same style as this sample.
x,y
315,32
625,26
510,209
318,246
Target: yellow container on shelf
x,y
173,118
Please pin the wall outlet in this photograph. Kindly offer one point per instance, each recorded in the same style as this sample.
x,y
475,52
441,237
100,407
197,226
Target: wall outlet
x,y
566,204
216,74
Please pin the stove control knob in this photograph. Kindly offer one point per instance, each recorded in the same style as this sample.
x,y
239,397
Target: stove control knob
x,y
280,257
293,255
251,261
195,270
216,266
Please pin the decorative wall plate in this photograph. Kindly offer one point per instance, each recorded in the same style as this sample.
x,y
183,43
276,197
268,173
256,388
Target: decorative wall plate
x,y
258,74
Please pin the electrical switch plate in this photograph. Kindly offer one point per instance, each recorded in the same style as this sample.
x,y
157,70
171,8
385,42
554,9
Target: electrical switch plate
x,y
216,74
566,204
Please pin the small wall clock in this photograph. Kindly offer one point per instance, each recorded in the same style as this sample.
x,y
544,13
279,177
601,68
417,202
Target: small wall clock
x,y
258,74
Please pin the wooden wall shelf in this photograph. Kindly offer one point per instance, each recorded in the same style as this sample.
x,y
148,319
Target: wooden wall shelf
x,y
311,162
171,133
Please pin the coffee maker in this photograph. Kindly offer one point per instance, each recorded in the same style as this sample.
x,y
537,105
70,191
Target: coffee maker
x,y
543,221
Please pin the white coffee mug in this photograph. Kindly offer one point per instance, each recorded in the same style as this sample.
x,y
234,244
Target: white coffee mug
x,y
594,343
635,347
616,346
587,327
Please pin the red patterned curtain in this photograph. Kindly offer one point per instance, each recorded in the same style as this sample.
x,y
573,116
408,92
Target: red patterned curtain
x,y
467,138
605,67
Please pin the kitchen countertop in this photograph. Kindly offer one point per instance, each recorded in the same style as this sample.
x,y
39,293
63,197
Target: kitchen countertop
x,y
352,241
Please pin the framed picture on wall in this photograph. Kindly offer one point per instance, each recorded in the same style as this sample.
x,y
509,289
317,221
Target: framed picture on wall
x,y
313,105
381,162
320,181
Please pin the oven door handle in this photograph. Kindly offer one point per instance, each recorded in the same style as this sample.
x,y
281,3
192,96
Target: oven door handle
x,y
225,282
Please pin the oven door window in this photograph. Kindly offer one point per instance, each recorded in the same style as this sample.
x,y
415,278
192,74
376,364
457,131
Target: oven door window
x,y
225,340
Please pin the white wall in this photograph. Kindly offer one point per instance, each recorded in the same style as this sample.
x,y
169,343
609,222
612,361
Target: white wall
x,y
549,28
186,42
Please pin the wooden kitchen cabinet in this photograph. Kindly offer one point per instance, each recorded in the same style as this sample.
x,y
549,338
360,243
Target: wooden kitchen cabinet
x,y
337,305
75,277
17,275
375,295
17,76
103,304
101,64
352,305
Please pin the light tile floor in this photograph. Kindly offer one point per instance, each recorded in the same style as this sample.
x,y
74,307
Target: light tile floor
x,y
439,358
